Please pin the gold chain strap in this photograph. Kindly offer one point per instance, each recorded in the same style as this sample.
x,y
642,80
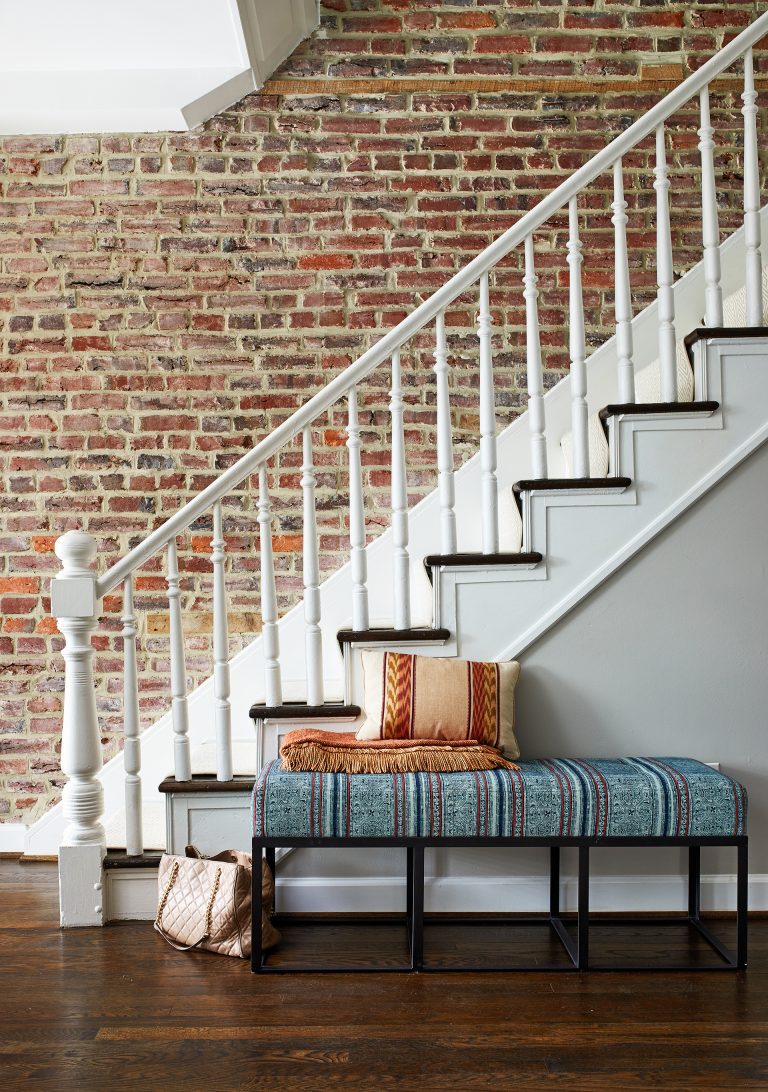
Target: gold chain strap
x,y
166,893
209,911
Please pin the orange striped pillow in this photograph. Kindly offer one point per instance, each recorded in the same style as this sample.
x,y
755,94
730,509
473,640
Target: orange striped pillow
x,y
434,697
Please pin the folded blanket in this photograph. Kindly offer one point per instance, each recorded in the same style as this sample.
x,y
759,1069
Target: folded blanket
x,y
312,751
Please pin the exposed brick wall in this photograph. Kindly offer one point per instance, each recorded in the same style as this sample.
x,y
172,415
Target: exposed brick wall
x,y
167,299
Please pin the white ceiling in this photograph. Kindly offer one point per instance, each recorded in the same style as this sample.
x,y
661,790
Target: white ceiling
x,y
76,66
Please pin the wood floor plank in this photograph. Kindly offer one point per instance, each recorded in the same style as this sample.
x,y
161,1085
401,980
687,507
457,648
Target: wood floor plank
x,y
116,1008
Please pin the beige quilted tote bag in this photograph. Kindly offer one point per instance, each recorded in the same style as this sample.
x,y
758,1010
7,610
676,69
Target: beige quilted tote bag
x,y
205,902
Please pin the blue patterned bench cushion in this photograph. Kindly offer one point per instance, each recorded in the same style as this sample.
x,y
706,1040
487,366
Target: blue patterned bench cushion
x,y
549,798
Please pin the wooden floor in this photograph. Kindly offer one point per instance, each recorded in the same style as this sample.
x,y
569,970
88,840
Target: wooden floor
x,y
115,1008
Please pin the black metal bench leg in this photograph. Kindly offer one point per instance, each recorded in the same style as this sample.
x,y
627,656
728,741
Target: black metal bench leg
x,y
256,952
554,881
582,950
694,882
416,874
742,904
269,854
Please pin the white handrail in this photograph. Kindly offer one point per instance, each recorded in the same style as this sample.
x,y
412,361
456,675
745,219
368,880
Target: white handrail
x,y
425,312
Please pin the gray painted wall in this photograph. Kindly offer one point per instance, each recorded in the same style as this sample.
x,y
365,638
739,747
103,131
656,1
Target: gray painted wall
x,y
668,657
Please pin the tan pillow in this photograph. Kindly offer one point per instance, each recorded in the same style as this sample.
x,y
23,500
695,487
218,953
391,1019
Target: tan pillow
x,y
434,697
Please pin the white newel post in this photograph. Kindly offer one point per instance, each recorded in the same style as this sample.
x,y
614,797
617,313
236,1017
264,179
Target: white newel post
x,y
76,609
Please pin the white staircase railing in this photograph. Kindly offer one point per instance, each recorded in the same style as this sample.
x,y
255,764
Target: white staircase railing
x,y
78,590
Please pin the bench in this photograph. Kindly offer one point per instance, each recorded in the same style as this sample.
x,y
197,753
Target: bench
x,y
586,804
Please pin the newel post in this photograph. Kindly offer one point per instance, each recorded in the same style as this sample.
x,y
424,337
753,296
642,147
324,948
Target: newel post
x,y
75,606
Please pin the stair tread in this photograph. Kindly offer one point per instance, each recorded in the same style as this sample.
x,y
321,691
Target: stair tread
x,y
575,485
293,710
477,558
383,633
208,782
653,409
702,332
119,858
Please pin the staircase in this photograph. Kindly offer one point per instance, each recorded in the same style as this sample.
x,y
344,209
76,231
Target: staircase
x,y
495,557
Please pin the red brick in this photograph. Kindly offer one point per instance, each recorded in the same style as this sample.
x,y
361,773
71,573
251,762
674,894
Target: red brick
x,y
325,261
43,544
503,43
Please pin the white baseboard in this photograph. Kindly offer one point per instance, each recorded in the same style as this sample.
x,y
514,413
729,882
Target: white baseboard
x,y
131,894
12,837
453,894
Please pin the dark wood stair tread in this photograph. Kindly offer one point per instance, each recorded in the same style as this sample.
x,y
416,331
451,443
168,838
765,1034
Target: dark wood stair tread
x,y
383,633
575,485
478,559
208,782
657,409
119,858
703,332
299,710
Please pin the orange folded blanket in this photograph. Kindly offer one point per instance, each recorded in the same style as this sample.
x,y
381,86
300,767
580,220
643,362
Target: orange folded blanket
x,y
312,751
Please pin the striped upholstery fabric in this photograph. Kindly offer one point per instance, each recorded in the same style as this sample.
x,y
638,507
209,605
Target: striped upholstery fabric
x,y
549,798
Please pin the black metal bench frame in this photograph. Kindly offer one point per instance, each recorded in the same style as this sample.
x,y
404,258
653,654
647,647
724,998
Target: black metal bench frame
x,y
577,949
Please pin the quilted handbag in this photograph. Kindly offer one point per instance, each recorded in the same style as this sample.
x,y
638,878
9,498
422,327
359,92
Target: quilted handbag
x,y
205,902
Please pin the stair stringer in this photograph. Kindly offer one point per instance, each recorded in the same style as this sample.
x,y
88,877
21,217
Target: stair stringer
x,y
672,464
513,449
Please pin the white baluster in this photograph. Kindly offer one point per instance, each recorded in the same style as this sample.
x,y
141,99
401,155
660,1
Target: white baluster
x,y
270,635
312,632
401,575
488,462
577,348
622,294
182,764
535,374
754,271
134,839
221,685
76,608
357,558
445,483
710,229
665,275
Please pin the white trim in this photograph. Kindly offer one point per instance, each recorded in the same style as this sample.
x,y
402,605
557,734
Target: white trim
x,y
450,894
12,837
131,894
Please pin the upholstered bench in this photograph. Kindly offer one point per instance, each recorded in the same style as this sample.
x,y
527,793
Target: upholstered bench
x,y
555,803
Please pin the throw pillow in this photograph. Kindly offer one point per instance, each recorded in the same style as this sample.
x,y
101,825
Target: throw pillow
x,y
434,697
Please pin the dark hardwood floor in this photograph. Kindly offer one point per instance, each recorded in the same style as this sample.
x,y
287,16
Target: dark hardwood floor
x,y
115,1008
